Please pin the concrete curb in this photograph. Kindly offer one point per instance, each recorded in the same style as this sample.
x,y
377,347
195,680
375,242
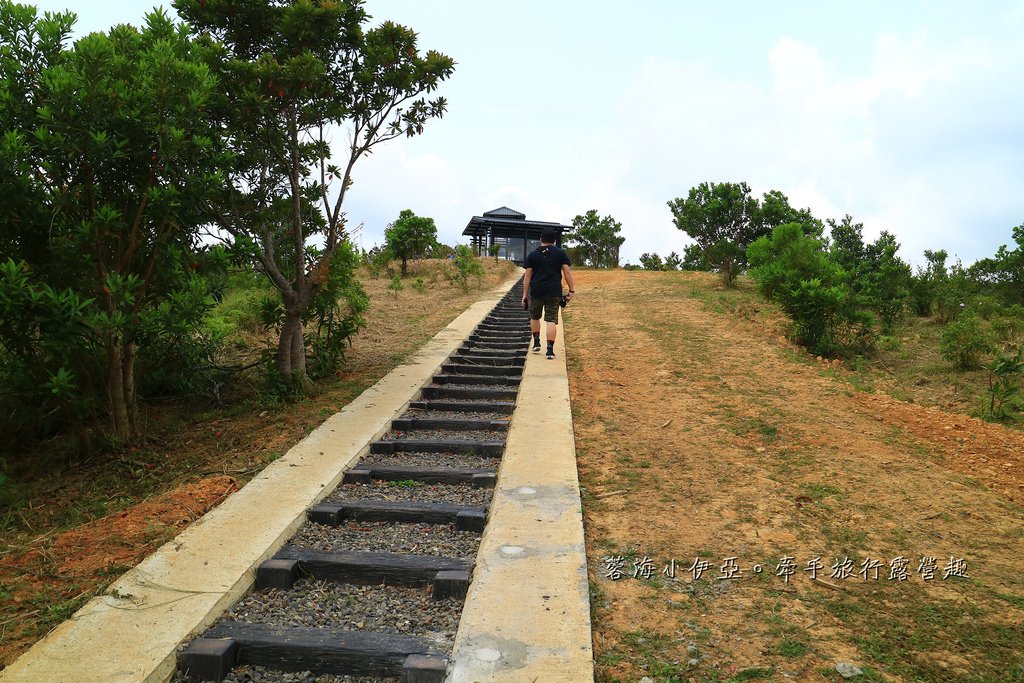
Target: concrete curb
x,y
130,633
527,614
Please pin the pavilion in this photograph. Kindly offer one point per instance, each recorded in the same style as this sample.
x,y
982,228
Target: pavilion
x,y
509,229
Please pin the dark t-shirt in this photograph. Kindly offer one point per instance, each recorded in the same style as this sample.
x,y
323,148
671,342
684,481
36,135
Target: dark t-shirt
x,y
547,262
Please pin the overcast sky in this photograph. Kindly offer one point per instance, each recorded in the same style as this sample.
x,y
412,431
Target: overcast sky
x,y
907,115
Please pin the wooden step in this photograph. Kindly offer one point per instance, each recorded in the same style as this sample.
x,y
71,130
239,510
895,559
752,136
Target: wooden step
x,y
504,407
305,648
482,448
465,518
481,477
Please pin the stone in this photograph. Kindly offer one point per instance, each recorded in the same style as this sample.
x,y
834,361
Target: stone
x,y
847,670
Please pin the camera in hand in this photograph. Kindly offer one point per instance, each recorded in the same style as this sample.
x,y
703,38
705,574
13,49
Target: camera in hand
x,y
563,301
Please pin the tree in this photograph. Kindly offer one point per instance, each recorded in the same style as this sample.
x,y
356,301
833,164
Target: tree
x,y
297,70
673,261
793,269
410,236
1003,274
693,259
723,218
107,157
651,262
596,239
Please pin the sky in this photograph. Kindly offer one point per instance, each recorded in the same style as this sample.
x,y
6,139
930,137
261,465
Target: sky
x,y
906,115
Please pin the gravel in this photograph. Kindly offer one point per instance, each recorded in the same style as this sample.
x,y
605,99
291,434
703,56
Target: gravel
x,y
257,674
383,609
452,415
419,459
503,387
446,435
426,493
439,540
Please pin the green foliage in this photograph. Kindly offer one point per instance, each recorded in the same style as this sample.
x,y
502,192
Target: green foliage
x,y
673,261
330,322
494,250
876,276
108,156
419,285
964,341
1004,388
651,262
395,286
298,70
724,219
378,260
693,259
463,266
410,236
927,281
792,269
1003,274
595,239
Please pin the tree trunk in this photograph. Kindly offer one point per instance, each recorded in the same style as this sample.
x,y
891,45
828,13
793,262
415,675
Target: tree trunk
x,y
121,388
291,352
403,266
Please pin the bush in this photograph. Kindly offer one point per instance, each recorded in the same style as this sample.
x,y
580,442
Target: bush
x,y
378,260
395,286
419,285
964,341
464,266
1004,373
792,269
651,262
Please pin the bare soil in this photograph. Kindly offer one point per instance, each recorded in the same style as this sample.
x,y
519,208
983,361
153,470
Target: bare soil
x,y
702,435
76,528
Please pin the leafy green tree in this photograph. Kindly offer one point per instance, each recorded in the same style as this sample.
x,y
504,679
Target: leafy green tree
x,y
651,262
723,219
410,236
693,259
884,279
775,210
464,265
964,341
673,261
298,70
107,156
494,250
928,280
794,270
596,239
1003,274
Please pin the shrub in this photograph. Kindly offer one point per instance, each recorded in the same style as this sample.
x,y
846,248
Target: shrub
x,y
464,266
419,285
1004,373
395,286
964,341
792,269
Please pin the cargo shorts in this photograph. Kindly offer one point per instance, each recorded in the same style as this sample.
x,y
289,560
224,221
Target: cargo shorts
x,y
548,306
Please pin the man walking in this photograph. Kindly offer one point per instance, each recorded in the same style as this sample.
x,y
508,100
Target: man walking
x,y
542,286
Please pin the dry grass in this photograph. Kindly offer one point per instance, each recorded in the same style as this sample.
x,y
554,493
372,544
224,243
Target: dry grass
x,y
725,441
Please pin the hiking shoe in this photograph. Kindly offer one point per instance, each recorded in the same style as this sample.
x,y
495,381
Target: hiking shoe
x,y
536,348
550,355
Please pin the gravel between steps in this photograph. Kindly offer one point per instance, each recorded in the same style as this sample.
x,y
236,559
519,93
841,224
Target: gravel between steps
x,y
439,540
446,435
257,674
383,609
418,414
419,459
427,493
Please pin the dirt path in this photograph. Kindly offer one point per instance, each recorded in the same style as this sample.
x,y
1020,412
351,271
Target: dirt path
x,y
702,435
